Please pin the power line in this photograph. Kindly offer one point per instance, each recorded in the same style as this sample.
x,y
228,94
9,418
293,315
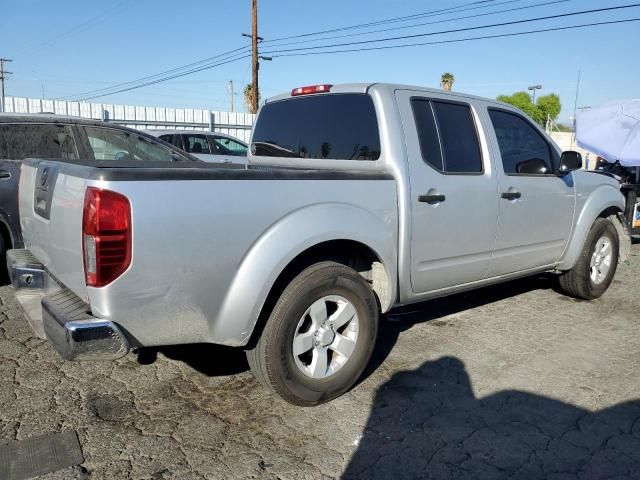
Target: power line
x,y
466,17
242,52
219,56
457,30
442,11
458,40
164,79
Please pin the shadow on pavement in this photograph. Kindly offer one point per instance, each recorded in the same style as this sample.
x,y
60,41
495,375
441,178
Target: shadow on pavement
x,y
427,423
211,360
402,319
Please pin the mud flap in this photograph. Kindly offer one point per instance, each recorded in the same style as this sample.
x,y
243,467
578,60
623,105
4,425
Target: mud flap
x,y
624,237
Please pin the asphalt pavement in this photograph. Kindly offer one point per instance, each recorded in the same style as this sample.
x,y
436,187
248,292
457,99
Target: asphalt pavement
x,y
511,381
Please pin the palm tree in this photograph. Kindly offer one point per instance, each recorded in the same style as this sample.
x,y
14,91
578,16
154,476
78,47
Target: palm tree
x,y
248,98
446,81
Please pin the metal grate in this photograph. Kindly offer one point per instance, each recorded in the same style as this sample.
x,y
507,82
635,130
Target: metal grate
x,y
39,455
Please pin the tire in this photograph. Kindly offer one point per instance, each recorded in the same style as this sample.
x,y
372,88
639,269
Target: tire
x,y
4,273
301,379
579,281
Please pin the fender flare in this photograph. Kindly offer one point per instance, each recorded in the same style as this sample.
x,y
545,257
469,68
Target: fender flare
x,y
601,199
281,243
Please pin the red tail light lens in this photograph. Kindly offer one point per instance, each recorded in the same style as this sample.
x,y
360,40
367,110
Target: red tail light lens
x,y
310,89
106,236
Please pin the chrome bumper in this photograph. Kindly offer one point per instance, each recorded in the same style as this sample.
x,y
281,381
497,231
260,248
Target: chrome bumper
x,y
59,315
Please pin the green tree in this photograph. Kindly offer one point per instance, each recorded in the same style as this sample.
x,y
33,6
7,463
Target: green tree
x,y
549,106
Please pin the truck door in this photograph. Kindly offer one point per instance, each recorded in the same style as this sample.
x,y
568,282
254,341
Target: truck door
x,y
454,209
536,205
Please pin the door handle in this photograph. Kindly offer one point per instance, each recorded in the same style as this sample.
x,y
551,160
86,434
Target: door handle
x,y
4,174
511,195
431,199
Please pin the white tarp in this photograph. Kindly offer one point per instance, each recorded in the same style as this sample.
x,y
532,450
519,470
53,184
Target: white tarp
x,y
612,131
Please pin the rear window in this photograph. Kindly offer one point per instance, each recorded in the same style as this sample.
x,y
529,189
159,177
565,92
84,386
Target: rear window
x,y
113,144
336,127
20,141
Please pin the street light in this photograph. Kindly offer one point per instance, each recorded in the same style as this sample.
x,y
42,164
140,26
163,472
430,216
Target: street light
x,y
534,88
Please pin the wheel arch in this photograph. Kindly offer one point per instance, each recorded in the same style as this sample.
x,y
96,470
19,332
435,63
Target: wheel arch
x,y
362,241
604,202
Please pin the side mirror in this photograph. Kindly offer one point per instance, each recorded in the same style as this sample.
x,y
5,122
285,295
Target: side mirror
x,y
534,166
570,161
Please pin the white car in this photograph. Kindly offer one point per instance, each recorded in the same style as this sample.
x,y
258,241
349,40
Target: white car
x,y
207,146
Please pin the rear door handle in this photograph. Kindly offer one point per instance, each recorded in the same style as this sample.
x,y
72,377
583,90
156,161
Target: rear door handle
x,y
511,195
5,174
431,199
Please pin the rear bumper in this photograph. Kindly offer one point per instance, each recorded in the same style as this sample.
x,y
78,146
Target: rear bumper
x,y
59,315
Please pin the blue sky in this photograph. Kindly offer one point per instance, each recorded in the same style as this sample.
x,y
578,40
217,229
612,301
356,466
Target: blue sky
x,y
73,46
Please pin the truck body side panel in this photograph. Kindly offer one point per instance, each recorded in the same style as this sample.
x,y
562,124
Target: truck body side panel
x,y
205,253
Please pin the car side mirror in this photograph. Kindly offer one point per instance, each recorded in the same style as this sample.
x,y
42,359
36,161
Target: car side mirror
x,y
570,161
534,166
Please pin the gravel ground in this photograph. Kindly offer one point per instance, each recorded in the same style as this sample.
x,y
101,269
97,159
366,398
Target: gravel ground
x,y
512,381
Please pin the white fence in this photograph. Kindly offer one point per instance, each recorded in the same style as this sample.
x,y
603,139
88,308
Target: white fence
x,y
232,123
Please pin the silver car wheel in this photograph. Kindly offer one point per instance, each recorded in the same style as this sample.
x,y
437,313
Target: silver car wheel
x,y
601,260
325,337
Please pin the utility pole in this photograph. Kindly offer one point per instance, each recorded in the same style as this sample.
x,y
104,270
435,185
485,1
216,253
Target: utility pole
x,y
230,89
254,57
2,77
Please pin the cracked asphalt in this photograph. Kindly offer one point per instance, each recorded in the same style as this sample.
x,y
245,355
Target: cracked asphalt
x,y
512,381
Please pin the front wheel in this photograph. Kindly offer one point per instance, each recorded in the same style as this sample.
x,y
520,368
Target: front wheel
x,y
319,336
593,272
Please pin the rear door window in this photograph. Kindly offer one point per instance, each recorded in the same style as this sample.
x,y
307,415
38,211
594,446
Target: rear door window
x,y
20,141
334,126
447,135
113,144
427,133
197,144
169,138
458,136
227,146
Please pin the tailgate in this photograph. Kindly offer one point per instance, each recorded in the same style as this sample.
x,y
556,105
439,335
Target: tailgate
x,y
51,205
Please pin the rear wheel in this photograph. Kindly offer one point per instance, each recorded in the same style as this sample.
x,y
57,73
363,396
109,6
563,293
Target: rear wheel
x,y
319,336
593,272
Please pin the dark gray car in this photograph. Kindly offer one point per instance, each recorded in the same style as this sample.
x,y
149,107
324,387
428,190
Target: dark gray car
x,y
64,138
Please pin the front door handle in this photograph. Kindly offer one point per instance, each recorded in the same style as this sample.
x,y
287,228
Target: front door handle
x,y
432,198
5,174
511,195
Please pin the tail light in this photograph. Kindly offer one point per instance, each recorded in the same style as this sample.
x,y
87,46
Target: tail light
x,y
310,89
106,236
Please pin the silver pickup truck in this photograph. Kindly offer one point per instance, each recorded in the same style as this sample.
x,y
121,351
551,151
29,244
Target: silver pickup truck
x,y
359,198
